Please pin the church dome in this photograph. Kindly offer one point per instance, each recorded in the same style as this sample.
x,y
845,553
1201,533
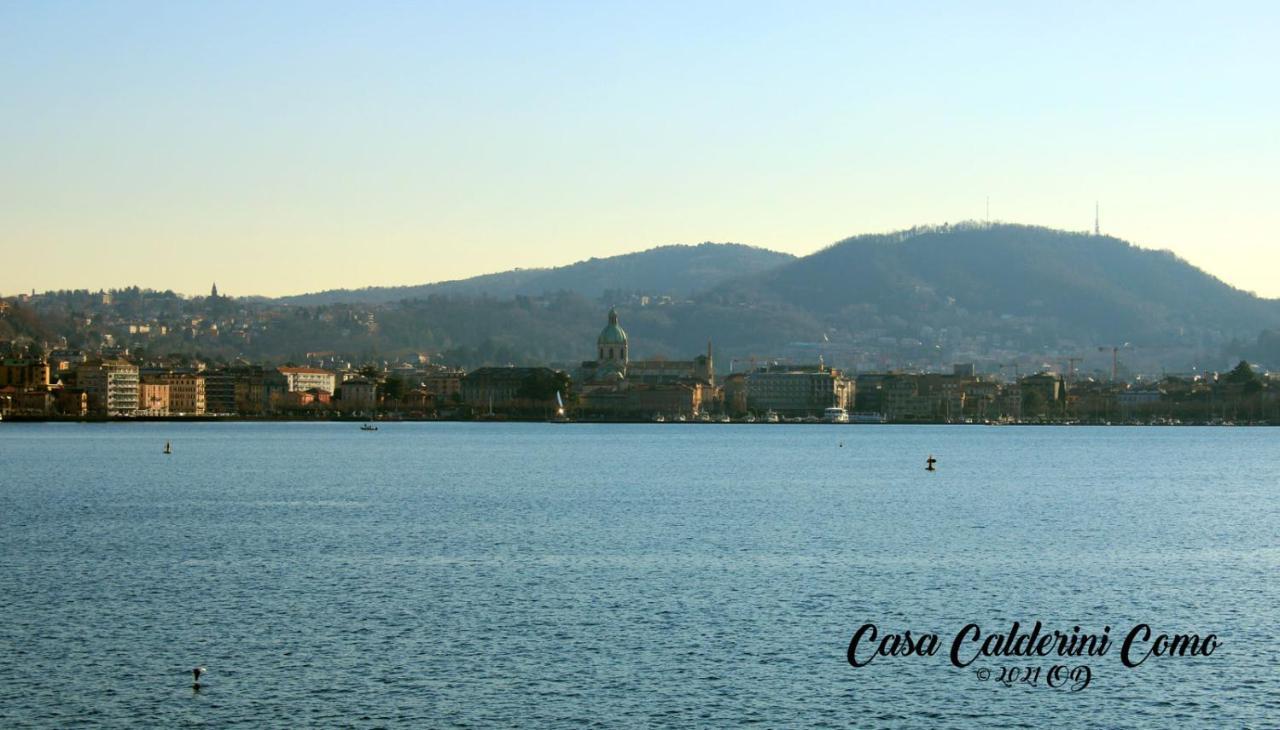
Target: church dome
x,y
612,334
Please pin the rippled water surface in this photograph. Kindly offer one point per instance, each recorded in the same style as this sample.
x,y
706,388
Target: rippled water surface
x,y
611,575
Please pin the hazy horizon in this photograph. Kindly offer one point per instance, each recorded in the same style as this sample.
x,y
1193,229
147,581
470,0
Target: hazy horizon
x,y
298,147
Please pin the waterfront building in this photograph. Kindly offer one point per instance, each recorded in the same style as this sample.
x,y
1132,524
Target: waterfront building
x,y
219,391
186,393
902,398
445,384
24,373
701,369
512,389
72,402
798,391
37,402
299,378
1049,389
734,394
153,398
928,396
112,386
418,401
869,392
257,389
311,398
358,394
615,386
642,400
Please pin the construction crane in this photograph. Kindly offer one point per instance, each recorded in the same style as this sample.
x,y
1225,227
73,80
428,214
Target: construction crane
x,y
1115,357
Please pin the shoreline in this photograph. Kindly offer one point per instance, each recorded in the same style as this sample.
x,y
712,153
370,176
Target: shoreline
x,y
602,421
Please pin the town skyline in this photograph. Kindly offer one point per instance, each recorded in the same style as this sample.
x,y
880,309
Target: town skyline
x,y
991,294
612,385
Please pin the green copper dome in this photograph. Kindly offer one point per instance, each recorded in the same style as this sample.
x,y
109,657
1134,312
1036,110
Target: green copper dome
x,y
612,334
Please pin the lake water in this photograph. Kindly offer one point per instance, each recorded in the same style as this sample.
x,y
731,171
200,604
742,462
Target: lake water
x,y
542,575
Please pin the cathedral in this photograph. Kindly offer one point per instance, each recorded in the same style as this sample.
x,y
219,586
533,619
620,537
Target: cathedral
x,y
615,385
611,345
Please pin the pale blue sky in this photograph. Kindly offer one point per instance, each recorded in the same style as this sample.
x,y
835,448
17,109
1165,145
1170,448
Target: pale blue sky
x,y
284,147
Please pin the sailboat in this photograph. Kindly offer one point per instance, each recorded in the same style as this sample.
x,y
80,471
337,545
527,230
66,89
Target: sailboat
x,y
560,415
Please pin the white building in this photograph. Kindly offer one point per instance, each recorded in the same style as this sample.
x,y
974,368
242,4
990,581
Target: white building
x,y
112,386
300,379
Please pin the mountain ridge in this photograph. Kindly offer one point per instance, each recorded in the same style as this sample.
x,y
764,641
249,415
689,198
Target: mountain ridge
x,y
918,298
686,269
1085,283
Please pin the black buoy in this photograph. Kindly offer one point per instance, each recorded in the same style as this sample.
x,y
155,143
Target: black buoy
x,y
195,677
167,450
929,462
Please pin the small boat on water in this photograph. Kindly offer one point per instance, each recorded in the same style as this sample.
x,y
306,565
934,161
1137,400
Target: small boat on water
x,y
368,427
560,416
726,419
771,417
835,414
659,418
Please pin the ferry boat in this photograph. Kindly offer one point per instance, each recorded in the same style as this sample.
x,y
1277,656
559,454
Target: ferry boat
x,y
835,414
866,418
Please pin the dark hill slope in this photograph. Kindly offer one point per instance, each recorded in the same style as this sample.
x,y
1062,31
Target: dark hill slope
x,y
1097,288
677,271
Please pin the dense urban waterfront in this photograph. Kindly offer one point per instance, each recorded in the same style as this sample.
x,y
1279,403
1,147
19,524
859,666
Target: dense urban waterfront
x,y
560,575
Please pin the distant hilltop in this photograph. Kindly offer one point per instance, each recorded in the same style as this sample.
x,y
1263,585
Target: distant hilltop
x,y
1000,295
675,270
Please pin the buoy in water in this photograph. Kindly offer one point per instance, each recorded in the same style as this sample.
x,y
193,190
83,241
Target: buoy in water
x,y
195,677
167,450
929,462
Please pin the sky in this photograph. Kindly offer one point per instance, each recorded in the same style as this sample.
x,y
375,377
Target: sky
x,y
286,147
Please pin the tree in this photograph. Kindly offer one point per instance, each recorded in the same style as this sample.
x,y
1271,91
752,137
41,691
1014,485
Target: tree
x,y
394,388
1242,374
543,385
1032,403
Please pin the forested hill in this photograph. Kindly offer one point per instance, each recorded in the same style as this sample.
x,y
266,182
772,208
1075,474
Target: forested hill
x,y
676,271
922,298
1075,285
